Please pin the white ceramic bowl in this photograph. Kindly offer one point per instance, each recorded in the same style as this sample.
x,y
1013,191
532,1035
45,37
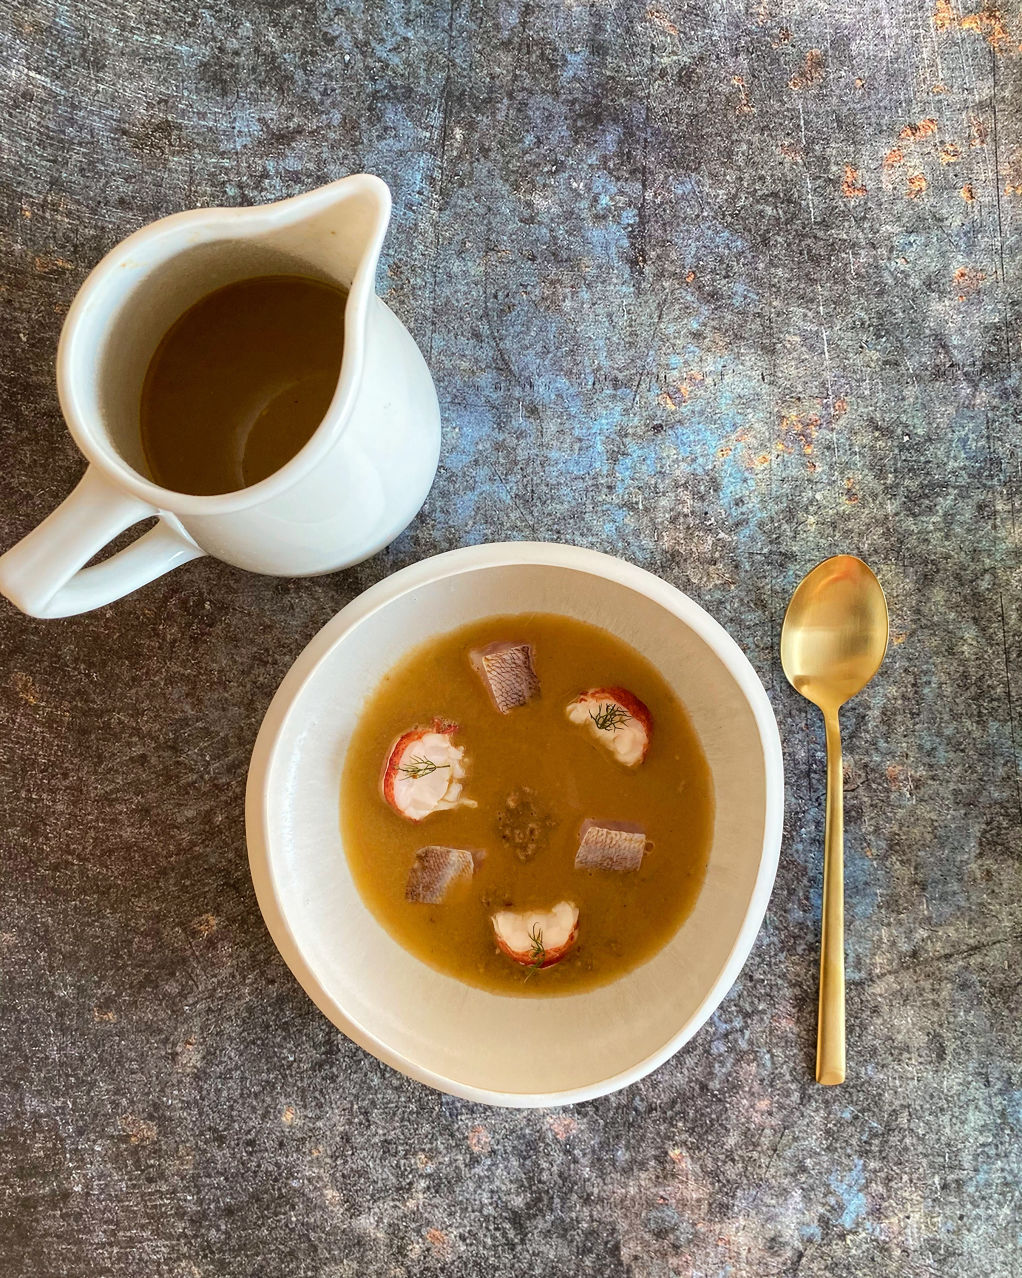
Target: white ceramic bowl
x,y
488,1047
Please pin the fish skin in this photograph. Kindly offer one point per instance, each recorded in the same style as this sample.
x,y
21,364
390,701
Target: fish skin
x,y
435,869
610,845
507,671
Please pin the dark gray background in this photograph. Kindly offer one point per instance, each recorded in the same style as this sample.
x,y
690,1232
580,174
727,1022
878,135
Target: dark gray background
x,y
721,289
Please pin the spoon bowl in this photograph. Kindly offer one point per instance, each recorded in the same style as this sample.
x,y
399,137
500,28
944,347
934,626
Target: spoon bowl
x,y
835,632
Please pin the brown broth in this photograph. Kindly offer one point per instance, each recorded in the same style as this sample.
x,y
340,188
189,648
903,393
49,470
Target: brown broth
x,y
624,919
240,382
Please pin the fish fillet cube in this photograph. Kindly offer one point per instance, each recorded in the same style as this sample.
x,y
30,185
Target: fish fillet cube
x,y
435,869
610,845
507,671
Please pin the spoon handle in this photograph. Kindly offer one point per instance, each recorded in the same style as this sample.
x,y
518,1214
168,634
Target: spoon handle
x,y
830,1036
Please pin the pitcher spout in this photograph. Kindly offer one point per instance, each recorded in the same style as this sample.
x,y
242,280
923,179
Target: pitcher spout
x,y
338,228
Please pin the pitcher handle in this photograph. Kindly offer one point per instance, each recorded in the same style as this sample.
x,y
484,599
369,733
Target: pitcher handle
x,y
43,574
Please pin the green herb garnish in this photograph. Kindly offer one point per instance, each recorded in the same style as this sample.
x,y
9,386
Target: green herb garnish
x,y
609,716
420,766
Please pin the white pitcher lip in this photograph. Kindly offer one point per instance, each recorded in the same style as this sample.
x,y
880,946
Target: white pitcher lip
x,y
253,217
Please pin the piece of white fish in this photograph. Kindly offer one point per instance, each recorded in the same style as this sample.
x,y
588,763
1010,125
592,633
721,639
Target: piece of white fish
x,y
610,845
507,671
435,869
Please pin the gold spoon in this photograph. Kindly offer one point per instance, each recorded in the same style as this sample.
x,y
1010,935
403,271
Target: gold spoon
x,y
832,643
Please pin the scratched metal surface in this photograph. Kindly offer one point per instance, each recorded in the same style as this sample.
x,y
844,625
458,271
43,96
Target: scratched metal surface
x,y
721,289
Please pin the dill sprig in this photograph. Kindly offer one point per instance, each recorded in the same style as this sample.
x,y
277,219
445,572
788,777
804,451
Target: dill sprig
x,y
538,952
609,716
420,766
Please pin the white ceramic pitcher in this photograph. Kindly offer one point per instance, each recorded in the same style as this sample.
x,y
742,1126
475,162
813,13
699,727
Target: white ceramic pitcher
x,y
349,491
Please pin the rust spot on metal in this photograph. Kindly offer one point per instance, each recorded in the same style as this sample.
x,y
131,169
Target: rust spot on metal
x,y
479,1139
899,777
988,22
674,396
968,280
138,1130
661,20
44,264
923,129
917,184
950,153
967,193
25,686
893,157
745,105
439,1241
851,186
798,429
205,925
944,16
562,1125
811,73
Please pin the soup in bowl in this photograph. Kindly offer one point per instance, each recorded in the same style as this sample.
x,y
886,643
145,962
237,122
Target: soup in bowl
x,y
658,833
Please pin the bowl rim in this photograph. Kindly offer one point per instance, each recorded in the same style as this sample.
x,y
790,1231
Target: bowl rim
x,y
426,572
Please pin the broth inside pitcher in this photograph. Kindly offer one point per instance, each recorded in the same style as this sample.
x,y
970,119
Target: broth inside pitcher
x,y
240,382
